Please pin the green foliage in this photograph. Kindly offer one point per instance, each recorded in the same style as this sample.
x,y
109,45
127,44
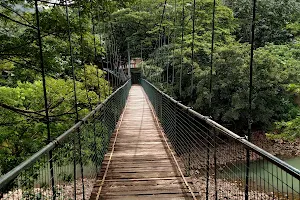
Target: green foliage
x,y
139,25
273,20
295,88
275,66
22,114
94,81
286,130
23,129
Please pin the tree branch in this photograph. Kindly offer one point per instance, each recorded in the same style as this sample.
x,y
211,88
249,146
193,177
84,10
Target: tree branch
x,y
18,110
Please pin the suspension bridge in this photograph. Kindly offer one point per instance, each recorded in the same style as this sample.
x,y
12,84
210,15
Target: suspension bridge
x,y
147,145
139,142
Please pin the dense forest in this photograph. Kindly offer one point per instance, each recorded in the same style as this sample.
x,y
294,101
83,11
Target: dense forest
x,y
169,30
72,51
80,39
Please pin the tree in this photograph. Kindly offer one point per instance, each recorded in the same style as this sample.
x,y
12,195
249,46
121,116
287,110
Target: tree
x,y
272,23
22,118
22,113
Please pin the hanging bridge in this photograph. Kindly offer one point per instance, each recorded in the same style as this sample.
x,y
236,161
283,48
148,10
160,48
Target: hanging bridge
x,y
142,144
138,142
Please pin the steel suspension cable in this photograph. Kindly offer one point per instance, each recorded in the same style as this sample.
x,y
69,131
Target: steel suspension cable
x,y
212,57
98,85
74,88
251,68
87,95
72,61
4,5
160,41
181,49
193,47
113,57
82,61
102,64
116,60
155,51
210,103
107,60
129,59
142,58
95,54
164,54
18,22
174,41
118,64
250,96
49,139
158,58
168,55
111,61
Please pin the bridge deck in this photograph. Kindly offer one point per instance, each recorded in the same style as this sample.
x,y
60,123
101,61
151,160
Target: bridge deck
x,y
138,164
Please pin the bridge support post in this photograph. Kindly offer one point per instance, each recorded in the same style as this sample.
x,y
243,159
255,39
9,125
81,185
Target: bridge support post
x,y
189,161
215,162
115,111
81,163
250,96
207,165
45,98
160,106
155,101
74,168
129,59
175,129
96,153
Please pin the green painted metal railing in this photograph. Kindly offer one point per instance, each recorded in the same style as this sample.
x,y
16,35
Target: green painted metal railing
x,y
216,157
76,157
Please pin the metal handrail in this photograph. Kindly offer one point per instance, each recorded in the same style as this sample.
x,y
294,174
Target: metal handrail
x,y
12,174
273,159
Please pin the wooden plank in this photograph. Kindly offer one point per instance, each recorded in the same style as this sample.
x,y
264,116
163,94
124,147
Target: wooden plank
x,y
136,157
141,166
137,170
138,189
143,162
149,197
131,175
145,192
145,182
147,179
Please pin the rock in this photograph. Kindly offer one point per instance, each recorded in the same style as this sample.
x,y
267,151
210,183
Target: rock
x,y
281,141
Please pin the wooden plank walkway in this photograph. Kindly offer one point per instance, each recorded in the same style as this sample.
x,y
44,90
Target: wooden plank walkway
x,y
139,164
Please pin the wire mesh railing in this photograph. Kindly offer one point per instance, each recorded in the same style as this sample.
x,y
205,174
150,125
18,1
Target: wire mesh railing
x,y
222,164
67,167
51,61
